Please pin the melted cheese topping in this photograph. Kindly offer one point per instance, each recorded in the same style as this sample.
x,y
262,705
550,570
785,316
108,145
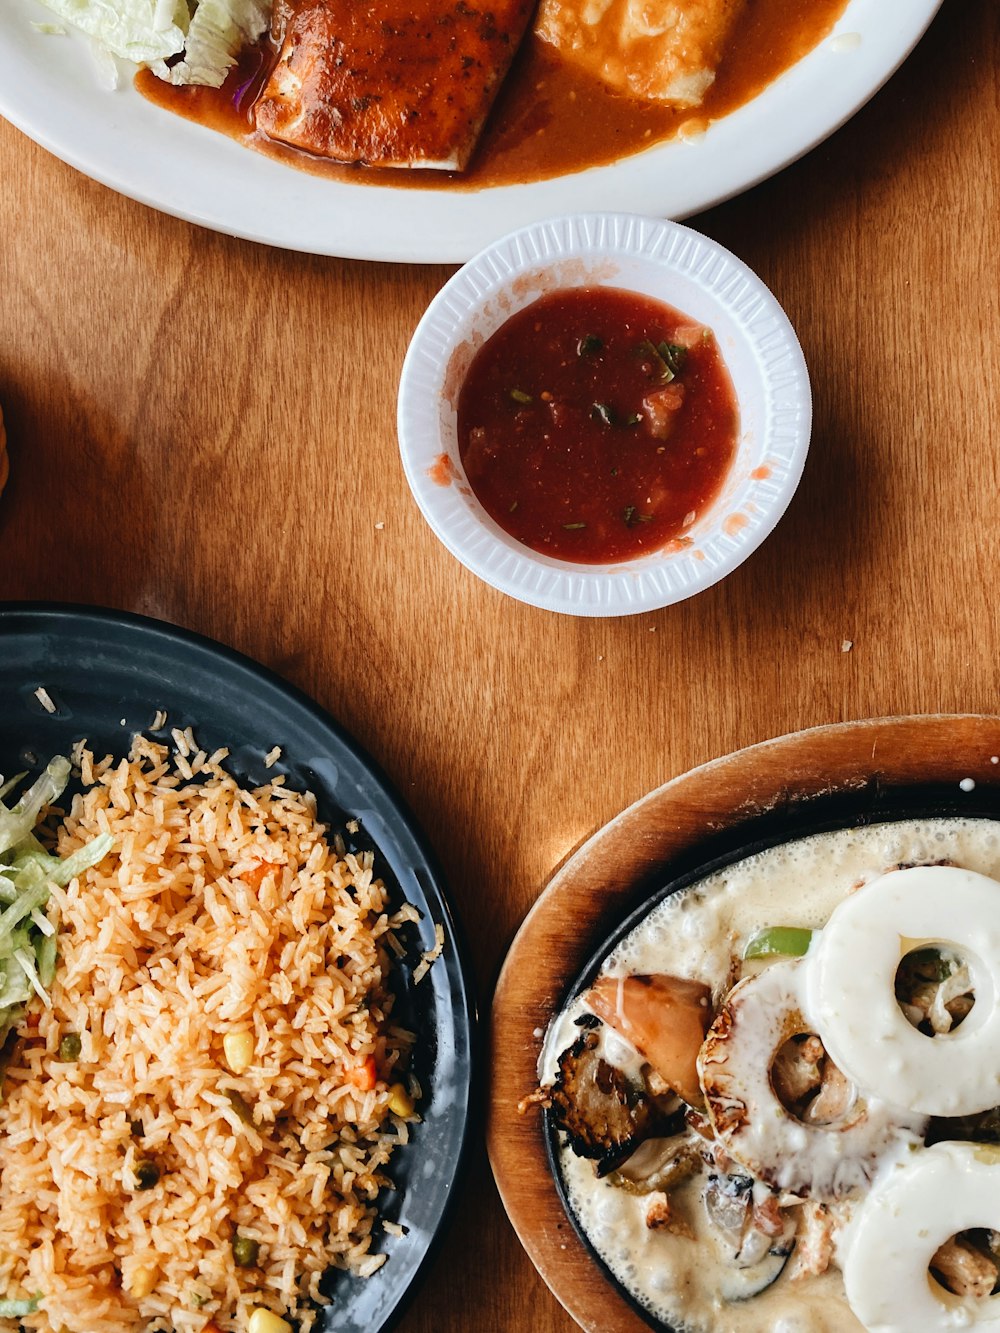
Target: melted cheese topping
x,y
697,934
852,999
822,1160
948,1188
659,50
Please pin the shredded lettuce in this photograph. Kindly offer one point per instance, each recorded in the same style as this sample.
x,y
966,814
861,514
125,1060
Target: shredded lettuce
x,y
105,66
34,862
16,1309
28,939
11,783
16,824
219,30
206,35
137,30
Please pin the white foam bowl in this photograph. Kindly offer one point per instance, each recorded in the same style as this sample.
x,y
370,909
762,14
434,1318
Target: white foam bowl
x,y
669,263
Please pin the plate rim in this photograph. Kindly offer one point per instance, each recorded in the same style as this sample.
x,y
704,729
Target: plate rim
x,y
18,617
641,843
206,178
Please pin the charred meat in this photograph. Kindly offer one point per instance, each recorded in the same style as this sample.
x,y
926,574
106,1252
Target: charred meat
x,y
387,84
605,1113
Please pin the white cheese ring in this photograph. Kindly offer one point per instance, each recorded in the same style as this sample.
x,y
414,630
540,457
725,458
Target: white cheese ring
x,y
909,1213
851,997
734,1067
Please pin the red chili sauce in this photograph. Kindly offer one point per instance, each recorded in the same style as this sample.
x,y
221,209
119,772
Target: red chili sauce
x,y
595,425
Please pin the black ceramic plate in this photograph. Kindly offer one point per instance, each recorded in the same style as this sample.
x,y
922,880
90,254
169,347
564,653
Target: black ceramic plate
x,y
108,673
873,804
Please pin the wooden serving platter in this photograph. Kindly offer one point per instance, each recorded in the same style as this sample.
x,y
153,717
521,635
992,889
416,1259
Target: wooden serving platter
x,y
627,860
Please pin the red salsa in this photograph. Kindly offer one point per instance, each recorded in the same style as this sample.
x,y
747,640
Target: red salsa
x,y
595,425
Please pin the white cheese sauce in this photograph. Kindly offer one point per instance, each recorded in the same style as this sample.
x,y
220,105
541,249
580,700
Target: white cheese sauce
x,y
697,934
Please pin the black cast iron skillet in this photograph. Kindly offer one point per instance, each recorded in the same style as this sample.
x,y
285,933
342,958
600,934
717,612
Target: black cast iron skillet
x,y
874,803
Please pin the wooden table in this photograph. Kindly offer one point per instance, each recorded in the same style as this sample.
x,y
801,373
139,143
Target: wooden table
x,y
203,430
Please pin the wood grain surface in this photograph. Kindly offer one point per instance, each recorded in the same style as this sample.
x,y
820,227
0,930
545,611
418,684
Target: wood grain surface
x,y
203,430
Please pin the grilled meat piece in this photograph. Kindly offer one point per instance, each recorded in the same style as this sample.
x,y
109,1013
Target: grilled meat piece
x,y
817,1222
796,1073
964,1269
662,1215
833,1101
388,84
605,1114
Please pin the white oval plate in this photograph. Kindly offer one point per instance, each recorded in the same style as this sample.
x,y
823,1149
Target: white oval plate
x,y
668,263
49,89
